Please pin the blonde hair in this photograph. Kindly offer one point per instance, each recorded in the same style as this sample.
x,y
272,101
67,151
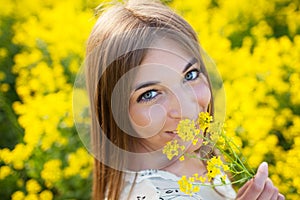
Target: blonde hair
x,y
116,45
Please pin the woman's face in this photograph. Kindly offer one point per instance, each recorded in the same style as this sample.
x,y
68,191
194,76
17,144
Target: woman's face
x,y
168,86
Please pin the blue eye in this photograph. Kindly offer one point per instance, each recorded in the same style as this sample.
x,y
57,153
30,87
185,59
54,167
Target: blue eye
x,y
147,96
192,75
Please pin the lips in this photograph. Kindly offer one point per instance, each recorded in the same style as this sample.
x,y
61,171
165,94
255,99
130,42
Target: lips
x,y
171,132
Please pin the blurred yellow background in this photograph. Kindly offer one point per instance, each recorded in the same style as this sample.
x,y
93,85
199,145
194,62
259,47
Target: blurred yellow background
x,y
255,44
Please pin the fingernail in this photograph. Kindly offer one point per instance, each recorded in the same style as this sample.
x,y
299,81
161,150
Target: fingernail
x,y
264,165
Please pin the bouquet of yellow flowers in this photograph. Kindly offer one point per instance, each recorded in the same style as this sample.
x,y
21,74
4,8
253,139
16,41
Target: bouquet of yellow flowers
x,y
232,161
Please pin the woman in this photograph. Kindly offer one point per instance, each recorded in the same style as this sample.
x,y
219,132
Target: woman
x,y
144,74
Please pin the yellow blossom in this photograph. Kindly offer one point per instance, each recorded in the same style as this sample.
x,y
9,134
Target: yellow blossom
x,y
262,87
181,158
172,149
3,53
18,195
32,186
223,178
20,153
80,163
46,195
202,179
6,155
31,196
215,167
187,130
51,172
204,120
4,172
187,185
4,87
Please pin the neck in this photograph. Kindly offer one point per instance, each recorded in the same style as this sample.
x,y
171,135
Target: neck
x,y
187,167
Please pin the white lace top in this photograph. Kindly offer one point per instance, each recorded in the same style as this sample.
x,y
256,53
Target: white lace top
x,y
162,185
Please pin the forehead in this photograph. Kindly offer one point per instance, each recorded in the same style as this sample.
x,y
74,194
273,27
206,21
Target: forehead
x,y
166,58
165,52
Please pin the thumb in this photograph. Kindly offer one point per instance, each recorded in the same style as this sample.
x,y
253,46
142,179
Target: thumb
x,y
254,187
263,169
262,174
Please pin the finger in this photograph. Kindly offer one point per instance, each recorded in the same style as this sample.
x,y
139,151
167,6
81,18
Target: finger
x,y
269,191
262,170
254,190
275,194
244,188
280,197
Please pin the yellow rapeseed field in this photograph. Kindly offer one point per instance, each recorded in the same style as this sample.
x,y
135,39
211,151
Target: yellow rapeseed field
x,y
255,45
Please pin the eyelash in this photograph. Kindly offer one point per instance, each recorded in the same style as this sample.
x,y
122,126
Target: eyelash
x,y
193,70
141,100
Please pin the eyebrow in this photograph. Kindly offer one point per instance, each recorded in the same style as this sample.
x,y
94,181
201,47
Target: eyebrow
x,y
190,64
146,85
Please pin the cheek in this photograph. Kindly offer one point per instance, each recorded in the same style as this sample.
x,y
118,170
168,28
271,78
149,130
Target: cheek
x,y
147,121
139,117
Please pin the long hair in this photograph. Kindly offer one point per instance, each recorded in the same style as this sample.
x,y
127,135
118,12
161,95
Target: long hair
x,y
114,47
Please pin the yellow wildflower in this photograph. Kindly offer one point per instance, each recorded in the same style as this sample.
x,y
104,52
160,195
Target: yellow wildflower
x,y
187,130
3,54
187,186
199,178
213,171
4,87
181,158
31,197
223,178
80,162
202,179
46,195
6,155
51,172
204,120
20,153
226,168
194,142
171,149
4,172
32,186
18,195
215,167
205,142
196,188
217,134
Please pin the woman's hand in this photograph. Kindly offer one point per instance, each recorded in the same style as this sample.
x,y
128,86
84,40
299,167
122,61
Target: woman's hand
x,y
260,187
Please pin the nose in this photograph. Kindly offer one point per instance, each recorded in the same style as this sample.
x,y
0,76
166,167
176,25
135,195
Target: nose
x,y
182,104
